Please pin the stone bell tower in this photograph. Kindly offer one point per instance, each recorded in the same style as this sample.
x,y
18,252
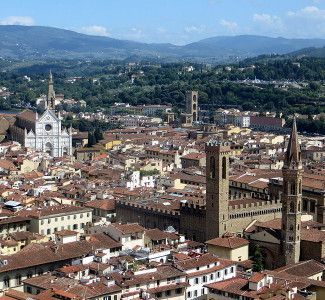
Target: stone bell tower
x,y
291,199
217,188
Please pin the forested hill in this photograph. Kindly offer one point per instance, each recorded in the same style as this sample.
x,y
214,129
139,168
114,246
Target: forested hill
x,y
37,42
310,52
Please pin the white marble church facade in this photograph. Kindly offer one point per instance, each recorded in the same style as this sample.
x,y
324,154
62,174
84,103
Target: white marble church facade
x,y
45,132
49,136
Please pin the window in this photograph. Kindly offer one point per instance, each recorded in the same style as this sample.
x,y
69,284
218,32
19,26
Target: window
x,y
62,218
18,279
115,297
81,215
211,277
49,221
189,294
48,127
29,275
312,206
232,270
195,293
75,226
29,289
204,279
56,219
293,189
212,167
6,281
196,280
218,274
158,295
107,298
304,205
292,207
48,231
42,222
55,229
178,291
226,271
224,167
168,293
74,217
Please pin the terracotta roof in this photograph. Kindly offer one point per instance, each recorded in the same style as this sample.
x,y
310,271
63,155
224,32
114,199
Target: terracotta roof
x,y
304,268
228,242
128,228
157,235
66,232
27,115
105,204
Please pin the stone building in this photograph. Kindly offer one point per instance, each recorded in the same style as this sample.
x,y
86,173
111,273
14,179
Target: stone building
x,y
208,219
191,111
45,132
291,199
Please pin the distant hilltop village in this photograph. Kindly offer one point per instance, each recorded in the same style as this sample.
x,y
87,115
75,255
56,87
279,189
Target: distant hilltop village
x,y
166,204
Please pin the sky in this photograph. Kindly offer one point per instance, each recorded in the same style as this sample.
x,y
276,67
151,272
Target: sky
x,y
171,21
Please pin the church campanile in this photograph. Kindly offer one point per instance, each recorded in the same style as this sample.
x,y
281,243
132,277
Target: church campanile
x,y
217,188
50,99
291,199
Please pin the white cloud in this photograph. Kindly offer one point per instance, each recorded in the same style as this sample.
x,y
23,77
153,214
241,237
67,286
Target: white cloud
x,y
18,20
311,12
229,25
195,29
95,30
266,19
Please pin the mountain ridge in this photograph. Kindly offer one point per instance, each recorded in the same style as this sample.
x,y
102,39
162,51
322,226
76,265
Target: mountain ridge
x,y
28,42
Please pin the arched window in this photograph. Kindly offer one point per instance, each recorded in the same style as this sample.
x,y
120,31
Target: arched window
x,y
212,167
299,206
18,279
194,97
224,167
6,281
293,189
300,187
292,207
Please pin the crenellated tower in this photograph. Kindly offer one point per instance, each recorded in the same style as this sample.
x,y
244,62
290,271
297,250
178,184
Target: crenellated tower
x,y
217,188
291,199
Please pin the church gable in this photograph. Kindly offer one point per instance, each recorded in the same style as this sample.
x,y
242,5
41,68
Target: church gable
x,y
31,134
48,116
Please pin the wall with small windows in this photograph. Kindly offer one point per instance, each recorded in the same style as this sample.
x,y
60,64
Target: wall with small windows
x,y
49,225
206,275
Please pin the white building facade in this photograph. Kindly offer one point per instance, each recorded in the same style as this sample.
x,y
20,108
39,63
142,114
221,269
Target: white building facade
x,y
47,134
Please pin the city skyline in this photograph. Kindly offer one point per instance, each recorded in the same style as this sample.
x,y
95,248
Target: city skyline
x,y
178,22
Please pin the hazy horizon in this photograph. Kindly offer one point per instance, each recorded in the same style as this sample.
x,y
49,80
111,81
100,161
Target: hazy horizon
x,y
178,22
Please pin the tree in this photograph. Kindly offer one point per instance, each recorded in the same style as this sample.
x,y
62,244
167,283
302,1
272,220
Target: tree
x,y
257,259
91,139
98,134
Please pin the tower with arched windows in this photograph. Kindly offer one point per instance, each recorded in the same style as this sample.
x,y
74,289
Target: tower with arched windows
x,y
192,98
291,199
217,188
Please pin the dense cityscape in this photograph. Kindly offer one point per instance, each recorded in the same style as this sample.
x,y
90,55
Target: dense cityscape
x,y
146,171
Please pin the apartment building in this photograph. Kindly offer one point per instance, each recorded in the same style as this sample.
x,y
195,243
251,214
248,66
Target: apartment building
x,y
204,269
50,219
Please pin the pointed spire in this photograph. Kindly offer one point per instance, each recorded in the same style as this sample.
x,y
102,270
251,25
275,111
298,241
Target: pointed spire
x,y
50,101
293,155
